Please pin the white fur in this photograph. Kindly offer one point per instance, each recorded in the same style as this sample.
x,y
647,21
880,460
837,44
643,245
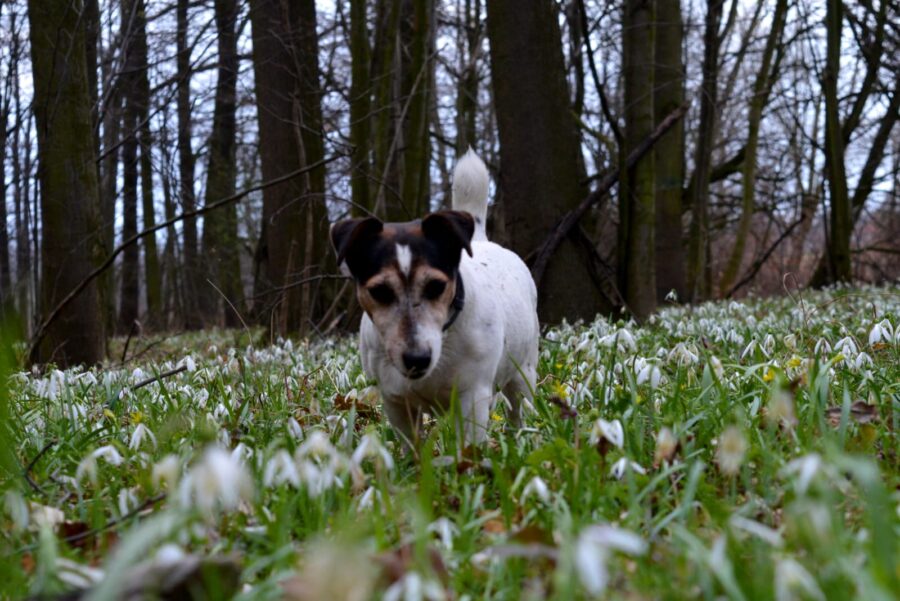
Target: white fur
x,y
470,190
493,345
404,258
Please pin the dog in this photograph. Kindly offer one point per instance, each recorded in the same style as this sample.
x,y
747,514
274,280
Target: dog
x,y
446,311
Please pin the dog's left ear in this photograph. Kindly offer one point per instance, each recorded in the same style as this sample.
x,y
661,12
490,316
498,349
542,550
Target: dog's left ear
x,y
450,229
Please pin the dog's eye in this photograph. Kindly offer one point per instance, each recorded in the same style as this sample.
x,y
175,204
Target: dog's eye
x,y
434,289
382,293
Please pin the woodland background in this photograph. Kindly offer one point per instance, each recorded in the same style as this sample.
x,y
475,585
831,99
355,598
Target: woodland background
x,y
175,164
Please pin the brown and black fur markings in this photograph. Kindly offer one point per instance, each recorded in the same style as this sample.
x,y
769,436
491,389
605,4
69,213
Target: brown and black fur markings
x,y
406,277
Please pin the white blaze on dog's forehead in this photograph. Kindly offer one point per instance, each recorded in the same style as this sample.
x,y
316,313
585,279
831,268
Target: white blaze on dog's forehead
x,y
404,258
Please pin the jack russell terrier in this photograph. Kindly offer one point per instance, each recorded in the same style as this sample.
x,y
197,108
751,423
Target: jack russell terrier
x,y
445,309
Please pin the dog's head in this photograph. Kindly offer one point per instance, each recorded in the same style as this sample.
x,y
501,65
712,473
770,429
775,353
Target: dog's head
x,y
406,280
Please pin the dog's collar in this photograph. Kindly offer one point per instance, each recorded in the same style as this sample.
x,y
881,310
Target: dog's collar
x,y
457,304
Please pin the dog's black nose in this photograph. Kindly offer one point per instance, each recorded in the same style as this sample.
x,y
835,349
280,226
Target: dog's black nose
x,y
416,362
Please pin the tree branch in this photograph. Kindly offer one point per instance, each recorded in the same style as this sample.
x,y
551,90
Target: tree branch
x,y
570,219
757,265
107,263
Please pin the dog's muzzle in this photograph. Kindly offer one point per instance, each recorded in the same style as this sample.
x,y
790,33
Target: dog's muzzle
x,y
416,364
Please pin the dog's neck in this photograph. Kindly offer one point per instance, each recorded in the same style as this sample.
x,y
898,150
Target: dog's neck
x,y
456,306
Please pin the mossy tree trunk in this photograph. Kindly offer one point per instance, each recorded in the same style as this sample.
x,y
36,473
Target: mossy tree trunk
x,y
540,154
71,240
637,206
294,240
765,79
220,230
698,242
669,151
360,108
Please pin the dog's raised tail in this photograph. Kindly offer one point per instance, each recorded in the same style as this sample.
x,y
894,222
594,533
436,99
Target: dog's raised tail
x,y
470,190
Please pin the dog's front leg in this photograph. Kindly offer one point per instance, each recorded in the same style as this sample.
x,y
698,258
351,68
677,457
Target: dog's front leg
x,y
475,407
405,419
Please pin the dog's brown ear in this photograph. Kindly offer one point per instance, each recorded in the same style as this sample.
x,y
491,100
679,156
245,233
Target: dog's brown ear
x,y
451,229
347,234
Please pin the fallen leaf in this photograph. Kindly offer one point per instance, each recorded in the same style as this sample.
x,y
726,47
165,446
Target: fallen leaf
x,y
860,412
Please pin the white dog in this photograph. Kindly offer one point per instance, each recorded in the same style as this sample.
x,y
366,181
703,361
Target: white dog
x,y
445,310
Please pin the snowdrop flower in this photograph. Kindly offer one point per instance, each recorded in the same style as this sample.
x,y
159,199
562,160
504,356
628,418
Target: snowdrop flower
x,y
141,432
446,531
281,469
367,499
294,428
804,468
846,346
758,530
730,451
862,360
77,575
683,355
127,501
790,341
823,347
88,465
16,508
412,587
370,446
610,431
651,373
672,296
166,470
593,548
748,350
717,367
317,444
781,409
220,480
768,344
188,364
537,487
666,444
791,577
623,465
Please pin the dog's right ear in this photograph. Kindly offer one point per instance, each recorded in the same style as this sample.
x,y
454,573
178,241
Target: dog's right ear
x,y
349,234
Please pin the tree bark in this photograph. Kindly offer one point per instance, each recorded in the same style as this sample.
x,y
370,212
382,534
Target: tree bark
x,y
467,90
68,176
840,217
360,108
220,235
669,151
294,242
540,153
762,87
698,265
637,207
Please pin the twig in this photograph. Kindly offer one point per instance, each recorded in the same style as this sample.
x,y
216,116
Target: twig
x,y
42,329
135,326
115,522
757,265
27,471
164,374
574,216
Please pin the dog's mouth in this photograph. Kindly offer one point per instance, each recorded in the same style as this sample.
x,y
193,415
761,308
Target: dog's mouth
x,y
416,374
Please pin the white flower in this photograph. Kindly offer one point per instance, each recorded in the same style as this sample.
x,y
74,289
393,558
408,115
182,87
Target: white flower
x,y
672,296
370,446
220,480
623,465
792,578
77,575
140,433
611,431
280,469
166,470
317,444
127,501
730,451
16,508
88,465
666,444
846,346
781,409
188,363
651,373
367,499
294,428
45,516
536,486
412,587
823,347
593,548
717,367
753,527
446,531
804,468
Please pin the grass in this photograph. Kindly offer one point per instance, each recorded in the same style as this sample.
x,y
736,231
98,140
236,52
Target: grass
x,y
732,450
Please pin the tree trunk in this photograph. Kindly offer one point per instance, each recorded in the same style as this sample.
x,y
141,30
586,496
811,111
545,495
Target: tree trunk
x,y
360,108
6,295
765,79
840,221
637,207
68,176
193,320
540,153
294,242
698,264
220,236
467,91
669,151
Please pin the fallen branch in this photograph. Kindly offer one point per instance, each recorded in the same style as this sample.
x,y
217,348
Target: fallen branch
x,y
54,314
757,265
571,218
27,471
164,374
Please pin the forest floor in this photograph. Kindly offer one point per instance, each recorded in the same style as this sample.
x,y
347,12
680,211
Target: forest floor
x,y
741,450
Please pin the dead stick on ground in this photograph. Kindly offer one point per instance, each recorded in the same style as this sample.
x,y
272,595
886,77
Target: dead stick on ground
x,y
571,218
42,329
164,374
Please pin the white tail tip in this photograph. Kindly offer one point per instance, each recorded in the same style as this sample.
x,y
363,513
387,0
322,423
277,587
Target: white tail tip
x,y
470,189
